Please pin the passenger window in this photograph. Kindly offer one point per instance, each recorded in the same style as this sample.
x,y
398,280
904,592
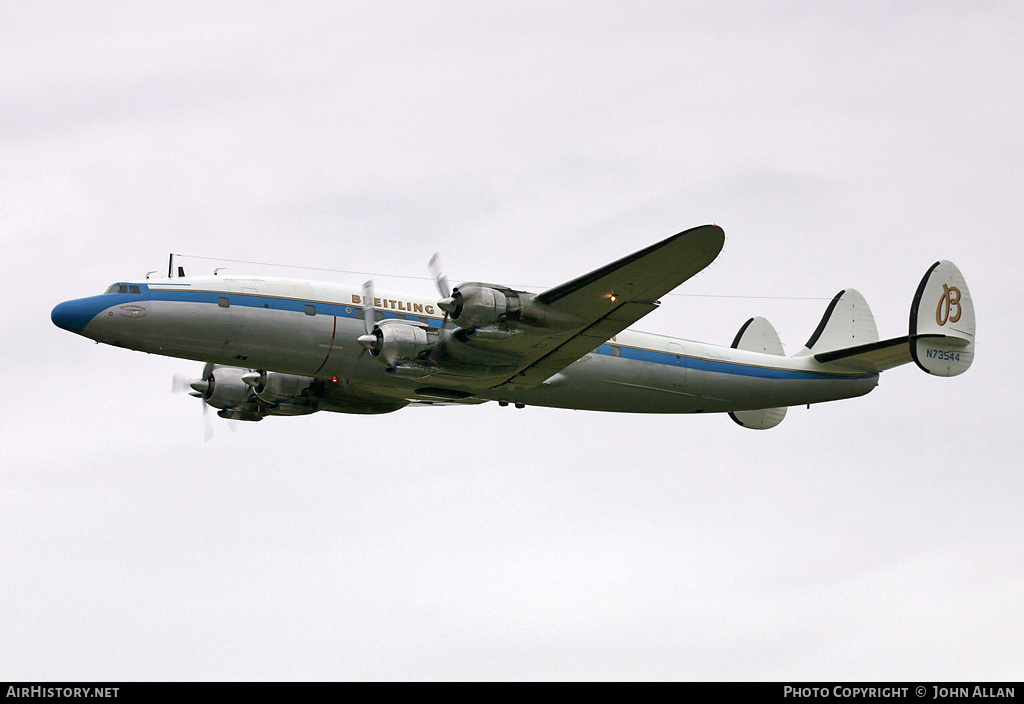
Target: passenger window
x,y
223,301
310,310
616,351
134,289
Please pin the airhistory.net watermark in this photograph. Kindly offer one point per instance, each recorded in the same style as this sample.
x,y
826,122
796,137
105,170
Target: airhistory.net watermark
x,y
62,692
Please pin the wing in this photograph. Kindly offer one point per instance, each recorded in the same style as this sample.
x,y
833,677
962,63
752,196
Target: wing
x,y
610,299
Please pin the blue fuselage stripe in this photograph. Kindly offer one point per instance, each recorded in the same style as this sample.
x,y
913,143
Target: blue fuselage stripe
x,y
717,366
255,300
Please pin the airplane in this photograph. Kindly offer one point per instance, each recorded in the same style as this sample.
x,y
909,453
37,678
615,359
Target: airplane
x,y
287,347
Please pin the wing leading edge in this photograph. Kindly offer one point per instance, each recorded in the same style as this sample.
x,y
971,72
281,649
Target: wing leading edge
x,y
610,299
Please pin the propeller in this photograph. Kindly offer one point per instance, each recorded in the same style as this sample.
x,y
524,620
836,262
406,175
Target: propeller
x,y
442,279
180,384
207,423
198,388
370,340
447,303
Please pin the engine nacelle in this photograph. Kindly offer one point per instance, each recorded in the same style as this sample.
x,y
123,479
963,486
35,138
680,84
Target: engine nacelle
x,y
248,412
225,388
277,388
490,312
401,342
475,305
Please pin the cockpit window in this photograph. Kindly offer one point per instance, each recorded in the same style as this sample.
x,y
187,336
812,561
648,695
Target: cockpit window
x,y
123,288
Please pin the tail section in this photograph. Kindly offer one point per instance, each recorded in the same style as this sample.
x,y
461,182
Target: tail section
x,y
942,322
941,339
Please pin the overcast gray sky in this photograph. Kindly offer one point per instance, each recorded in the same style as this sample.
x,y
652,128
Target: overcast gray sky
x,y
529,142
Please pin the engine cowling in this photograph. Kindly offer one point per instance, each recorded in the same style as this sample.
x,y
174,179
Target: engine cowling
x,y
476,305
276,388
400,343
251,395
224,387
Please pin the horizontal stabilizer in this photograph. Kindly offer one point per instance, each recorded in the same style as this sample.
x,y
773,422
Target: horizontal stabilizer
x,y
873,358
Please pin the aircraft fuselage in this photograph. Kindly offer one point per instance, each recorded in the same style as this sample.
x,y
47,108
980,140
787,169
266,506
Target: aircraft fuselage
x,y
310,329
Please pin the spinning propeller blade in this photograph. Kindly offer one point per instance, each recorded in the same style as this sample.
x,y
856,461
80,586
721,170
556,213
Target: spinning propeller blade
x,y
197,388
443,286
207,423
447,303
368,309
180,384
369,340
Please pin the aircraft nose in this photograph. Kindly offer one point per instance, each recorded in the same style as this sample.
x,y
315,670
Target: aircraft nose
x,y
75,315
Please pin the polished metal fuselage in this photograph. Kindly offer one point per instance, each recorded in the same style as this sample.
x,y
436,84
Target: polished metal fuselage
x,y
310,329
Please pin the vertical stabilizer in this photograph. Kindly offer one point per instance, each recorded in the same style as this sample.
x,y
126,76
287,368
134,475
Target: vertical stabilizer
x,y
758,335
942,322
761,419
847,322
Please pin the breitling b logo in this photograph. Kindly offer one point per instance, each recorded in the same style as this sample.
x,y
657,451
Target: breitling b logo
x,y
949,305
